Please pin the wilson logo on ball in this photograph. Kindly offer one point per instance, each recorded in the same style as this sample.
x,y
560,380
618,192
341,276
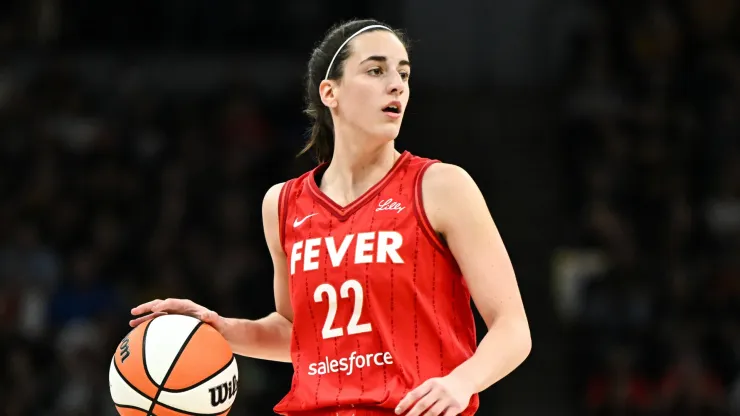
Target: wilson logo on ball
x,y
223,392
123,350
172,361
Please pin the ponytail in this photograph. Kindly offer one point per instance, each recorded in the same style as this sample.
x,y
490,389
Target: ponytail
x,y
327,62
321,138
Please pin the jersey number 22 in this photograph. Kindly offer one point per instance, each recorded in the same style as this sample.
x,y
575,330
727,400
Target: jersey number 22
x,y
353,327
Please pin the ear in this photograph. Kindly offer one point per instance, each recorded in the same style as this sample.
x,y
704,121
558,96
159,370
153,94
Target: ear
x,y
328,93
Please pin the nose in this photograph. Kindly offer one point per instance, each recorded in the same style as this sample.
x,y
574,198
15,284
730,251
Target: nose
x,y
396,85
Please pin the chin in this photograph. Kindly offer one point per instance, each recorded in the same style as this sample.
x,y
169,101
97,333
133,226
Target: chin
x,y
388,132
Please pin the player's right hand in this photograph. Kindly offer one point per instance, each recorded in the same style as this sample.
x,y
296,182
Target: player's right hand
x,y
157,307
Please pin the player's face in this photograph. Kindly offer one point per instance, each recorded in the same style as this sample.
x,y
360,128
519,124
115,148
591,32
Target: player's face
x,y
375,81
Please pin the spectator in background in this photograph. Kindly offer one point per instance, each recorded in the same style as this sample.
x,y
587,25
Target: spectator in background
x,y
619,389
689,388
652,152
109,199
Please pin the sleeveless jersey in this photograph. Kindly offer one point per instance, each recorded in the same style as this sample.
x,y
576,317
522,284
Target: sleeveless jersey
x,y
379,303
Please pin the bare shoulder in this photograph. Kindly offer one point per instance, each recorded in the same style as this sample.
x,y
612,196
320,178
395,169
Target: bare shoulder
x,y
447,190
443,177
270,221
272,198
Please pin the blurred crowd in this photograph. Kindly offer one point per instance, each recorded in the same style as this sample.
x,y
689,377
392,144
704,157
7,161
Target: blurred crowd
x,y
651,133
188,25
113,195
111,198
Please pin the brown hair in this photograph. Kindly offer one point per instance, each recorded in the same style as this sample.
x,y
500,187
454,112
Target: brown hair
x,y
321,137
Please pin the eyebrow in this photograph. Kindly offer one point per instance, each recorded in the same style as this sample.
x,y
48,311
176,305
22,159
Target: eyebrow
x,y
380,58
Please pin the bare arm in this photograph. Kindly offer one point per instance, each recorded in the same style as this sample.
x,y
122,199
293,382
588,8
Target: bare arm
x,y
470,232
267,338
471,235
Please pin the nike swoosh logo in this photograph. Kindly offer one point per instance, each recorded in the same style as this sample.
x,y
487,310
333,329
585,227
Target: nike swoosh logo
x,y
298,223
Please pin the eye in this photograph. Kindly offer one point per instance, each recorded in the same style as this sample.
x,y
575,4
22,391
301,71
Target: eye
x,y
405,75
375,71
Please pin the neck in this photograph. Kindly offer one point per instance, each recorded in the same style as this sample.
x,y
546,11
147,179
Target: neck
x,y
354,169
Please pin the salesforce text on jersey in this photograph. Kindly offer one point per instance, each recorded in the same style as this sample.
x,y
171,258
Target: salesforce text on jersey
x,y
348,364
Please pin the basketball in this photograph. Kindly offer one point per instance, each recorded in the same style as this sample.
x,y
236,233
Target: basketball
x,y
173,365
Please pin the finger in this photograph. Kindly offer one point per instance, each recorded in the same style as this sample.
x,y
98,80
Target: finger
x,y
413,396
170,305
423,405
208,317
145,307
138,321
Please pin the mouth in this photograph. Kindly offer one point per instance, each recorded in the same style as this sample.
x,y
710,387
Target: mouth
x,y
393,108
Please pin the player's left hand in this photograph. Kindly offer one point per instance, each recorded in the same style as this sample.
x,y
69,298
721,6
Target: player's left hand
x,y
442,396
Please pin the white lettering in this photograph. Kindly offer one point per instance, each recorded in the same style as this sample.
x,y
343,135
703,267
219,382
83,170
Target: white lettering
x,y
347,365
295,256
335,255
331,295
363,247
387,358
354,327
389,205
377,358
351,362
311,252
388,243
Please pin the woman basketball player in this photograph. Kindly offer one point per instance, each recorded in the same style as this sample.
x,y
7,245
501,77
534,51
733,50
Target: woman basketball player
x,y
376,256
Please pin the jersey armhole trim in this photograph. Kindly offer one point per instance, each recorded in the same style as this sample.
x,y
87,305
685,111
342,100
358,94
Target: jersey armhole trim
x,y
282,209
421,216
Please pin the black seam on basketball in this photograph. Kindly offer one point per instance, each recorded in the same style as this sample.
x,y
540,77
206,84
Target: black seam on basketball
x,y
205,380
154,402
172,366
143,354
128,383
128,406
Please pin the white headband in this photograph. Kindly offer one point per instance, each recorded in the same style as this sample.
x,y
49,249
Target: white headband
x,y
328,70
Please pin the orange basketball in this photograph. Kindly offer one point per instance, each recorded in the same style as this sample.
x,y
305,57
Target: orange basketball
x,y
173,365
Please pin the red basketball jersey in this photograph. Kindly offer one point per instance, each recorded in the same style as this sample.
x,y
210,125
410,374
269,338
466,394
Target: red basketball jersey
x,y
379,303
